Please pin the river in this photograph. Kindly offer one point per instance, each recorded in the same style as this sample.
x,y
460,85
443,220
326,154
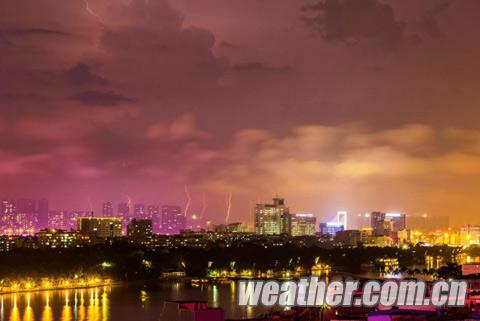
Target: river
x,y
116,303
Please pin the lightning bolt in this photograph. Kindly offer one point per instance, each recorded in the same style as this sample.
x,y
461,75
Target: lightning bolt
x,y
91,12
129,203
228,202
189,200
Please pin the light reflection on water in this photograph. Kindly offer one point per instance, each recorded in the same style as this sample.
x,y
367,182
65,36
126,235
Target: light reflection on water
x,y
118,303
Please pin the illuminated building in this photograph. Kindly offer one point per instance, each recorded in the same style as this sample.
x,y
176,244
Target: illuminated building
x,y
342,218
153,213
173,220
398,221
99,228
70,218
365,234
330,229
25,217
51,238
377,223
124,213
387,265
470,235
378,241
140,230
272,219
7,243
107,209
7,216
56,219
139,211
303,224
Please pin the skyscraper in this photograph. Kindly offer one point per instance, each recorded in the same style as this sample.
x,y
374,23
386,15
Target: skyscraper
x,y
377,223
398,221
342,218
272,219
42,214
153,214
139,211
107,209
173,219
124,213
25,216
303,224
8,216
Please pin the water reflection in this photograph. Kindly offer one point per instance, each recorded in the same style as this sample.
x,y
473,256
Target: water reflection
x,y
120,303
67,305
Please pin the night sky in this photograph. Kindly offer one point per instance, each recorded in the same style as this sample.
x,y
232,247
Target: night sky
x,y
359,105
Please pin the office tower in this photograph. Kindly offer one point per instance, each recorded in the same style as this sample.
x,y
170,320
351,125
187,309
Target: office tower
x,y
377,223
124,213
99,228
107,209
303,224
342,218
173,219
153,213
140,230
139,211
272,219
330,229
398,221
8,216
42,214
56,219
25,217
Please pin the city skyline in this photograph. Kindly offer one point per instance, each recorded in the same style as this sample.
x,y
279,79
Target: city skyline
x,y
178,101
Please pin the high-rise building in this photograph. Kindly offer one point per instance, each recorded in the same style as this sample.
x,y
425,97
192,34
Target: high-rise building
x,y
124,213
398,221
153,212
272,219
8,216
42,214
139,211
377,223
303,224
173,220
25,217
140,230
107,209
342,218
99,228
56,219
330,229
383,224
